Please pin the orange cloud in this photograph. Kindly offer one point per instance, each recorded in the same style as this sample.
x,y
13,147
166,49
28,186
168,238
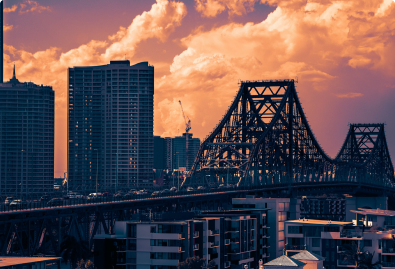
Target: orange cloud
x,y
7,28
49,67
31,6
349,95
27,6
308,40
211,8
10,9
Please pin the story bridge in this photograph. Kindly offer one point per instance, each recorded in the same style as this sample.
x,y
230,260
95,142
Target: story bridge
x,y
264,139
263,145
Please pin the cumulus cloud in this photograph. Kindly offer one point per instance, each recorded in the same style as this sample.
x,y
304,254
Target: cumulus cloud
x,y
31,6
10,9
28,6
7,27
49,67
310,40
211,8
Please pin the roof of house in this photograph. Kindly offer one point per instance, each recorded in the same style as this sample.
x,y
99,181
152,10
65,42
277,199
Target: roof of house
x,y
318,222
308,256
9,261
284,260
378,212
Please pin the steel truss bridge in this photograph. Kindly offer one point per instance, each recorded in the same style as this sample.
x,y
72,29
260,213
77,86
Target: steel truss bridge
x,y
264,139
263,145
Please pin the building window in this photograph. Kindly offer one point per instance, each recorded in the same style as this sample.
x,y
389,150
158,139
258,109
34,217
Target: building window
x,y
367,243
294,229
316,242
153,229
132,230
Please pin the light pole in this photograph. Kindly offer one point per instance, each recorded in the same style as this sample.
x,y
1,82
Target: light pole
x,y
97,166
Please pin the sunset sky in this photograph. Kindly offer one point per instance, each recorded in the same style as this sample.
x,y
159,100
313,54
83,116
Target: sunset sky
x,y
343,53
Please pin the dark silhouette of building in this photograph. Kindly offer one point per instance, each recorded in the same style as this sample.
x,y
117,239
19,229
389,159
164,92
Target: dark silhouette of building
x,y
170,153
110,126
26,138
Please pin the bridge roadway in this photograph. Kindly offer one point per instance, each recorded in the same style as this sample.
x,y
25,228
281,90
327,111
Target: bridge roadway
x,y
31,231
145,201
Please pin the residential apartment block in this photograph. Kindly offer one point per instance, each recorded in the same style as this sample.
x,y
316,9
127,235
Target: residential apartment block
x,y
229,239
110,126
26,138
371,230
281,210
172,153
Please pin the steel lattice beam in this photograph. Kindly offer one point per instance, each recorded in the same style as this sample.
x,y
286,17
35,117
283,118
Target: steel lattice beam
x,y
265,139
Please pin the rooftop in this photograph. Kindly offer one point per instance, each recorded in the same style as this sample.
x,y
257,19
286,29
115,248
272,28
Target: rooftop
x,y
319,222
9,261
308,256
377,212
284,260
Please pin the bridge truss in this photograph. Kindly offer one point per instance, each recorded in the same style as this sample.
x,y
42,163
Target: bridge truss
x,y
264,139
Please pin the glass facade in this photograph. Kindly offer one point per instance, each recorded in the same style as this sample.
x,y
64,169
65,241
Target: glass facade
x,y
110,126
26,139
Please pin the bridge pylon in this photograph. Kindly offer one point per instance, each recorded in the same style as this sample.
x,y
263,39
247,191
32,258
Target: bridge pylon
x,y
265,139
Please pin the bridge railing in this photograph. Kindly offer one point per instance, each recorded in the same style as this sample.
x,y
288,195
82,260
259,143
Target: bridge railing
x,y
35,205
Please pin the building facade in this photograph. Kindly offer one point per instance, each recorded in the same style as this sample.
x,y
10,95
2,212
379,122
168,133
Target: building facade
x,y
26,138
172,153
371,231
226,239
110,126
159,153
281,210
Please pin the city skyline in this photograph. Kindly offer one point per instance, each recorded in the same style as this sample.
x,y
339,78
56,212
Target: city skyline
x,y
340,52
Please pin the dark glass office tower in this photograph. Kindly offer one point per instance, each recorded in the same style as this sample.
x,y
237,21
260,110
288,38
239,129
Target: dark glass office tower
x,y
110,126
26,138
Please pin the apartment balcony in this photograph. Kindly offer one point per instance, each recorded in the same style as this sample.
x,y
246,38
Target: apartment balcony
x,y
388,251
346,263
166,236
295,247
213,244
227,264
196,247
227,241
215,232
350,234
388,264
195,234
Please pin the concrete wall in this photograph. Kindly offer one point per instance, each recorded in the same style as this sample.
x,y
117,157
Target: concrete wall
x,y
353,203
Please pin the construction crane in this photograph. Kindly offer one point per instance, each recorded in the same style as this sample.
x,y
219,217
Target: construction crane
x,y
187,124
187,128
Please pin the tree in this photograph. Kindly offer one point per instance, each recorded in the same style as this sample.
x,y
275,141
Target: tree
x,y
85,264
73,251
191,263
366,261
351,253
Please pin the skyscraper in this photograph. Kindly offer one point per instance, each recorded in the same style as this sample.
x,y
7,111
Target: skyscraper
x,y
26,138
110,126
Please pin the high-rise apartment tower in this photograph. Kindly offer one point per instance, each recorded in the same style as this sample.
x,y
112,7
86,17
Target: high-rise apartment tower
x,y
26,138
110,126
